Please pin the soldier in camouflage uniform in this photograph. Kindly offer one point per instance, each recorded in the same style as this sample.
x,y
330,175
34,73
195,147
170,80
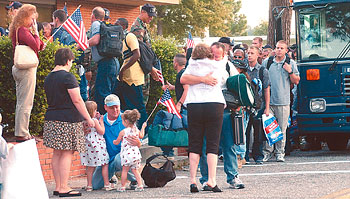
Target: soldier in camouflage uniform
x,y
148,11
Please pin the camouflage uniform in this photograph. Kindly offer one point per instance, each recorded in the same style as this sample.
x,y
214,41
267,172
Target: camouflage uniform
x,y
140,30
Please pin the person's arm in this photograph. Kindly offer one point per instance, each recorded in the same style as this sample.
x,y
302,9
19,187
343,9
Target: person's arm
x,y
183,98
133,59
78,102
142,132
95,32
192,80
95,40
267,100
33,41
293,77
134,141
119,139
99,126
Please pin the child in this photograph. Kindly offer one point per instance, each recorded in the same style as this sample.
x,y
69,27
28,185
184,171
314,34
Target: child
x,y
96,153
130,155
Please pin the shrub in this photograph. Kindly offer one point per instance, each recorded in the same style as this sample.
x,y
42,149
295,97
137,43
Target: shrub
x,y
166,49
8,89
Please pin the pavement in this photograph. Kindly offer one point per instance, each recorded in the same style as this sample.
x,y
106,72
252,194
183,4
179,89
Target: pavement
x,y
314,174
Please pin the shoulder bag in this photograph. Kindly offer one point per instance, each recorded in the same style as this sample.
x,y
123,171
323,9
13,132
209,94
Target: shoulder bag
x,y
24,57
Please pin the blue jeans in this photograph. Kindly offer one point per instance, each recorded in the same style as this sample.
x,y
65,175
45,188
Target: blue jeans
x,y
114,166
132,98
230,155
259,137
106,79
83,87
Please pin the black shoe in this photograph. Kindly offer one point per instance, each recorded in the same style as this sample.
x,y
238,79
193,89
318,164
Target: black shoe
x,y
194,188
213,189
207,188
216,189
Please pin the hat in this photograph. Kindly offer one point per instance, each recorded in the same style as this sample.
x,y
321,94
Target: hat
x,y
226,40
112,100
14,5
267,46
150,9
239,64
107,13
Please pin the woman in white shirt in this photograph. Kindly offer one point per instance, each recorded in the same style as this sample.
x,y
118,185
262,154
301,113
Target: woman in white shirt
x,y
205,105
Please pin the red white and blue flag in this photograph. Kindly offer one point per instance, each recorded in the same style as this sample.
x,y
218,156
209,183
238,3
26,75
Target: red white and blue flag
x,y
189,42
160,76
75,26
65,8
167,101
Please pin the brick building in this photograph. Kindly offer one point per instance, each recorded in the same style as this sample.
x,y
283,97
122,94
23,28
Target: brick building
x,y
128,9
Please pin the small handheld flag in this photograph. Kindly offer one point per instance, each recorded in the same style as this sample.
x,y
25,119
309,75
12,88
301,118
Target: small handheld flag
x,y
167,101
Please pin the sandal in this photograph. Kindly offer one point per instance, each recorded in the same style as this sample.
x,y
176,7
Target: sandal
x,y
139,189
108,187
70,194
121,189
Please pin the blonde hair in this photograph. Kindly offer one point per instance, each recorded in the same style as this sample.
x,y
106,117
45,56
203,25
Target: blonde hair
x,y
202,51
131,115
91,107
22,18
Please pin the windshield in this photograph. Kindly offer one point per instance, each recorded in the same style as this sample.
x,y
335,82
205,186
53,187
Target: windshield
x,y
324,31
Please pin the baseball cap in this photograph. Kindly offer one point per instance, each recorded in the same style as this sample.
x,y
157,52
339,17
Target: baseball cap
x,y
14,5
107,13
112,100
150,9
226,40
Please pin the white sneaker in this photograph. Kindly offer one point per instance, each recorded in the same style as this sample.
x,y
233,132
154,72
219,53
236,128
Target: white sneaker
x,y
267,157
236,183
280,158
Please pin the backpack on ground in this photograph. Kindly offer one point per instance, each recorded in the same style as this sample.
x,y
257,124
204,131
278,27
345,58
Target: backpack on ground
x,y
111,40
147,59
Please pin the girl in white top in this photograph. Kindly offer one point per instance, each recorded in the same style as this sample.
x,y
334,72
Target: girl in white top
x,y
96,151
130,155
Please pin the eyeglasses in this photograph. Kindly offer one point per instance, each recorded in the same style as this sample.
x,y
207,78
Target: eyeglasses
x,y
237,57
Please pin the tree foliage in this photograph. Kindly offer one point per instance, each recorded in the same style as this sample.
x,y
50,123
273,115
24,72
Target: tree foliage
x,y
261,29
221,16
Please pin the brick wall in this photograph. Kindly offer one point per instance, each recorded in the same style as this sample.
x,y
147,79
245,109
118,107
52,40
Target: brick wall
x,y
45,157
116,10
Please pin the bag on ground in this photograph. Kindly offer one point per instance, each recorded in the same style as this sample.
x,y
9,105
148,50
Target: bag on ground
x,y
111,40
272,129
155,177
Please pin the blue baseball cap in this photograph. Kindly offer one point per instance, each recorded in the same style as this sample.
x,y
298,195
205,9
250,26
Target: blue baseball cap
x,y
112,100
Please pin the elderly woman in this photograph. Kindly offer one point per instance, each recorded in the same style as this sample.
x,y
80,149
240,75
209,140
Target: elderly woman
x,y
205,105
23,24
63,129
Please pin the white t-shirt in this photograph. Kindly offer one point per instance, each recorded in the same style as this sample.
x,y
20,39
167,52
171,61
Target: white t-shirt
x,y
203,93
233,72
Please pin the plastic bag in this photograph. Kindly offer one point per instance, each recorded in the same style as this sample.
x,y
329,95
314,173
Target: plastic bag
x,y
272,129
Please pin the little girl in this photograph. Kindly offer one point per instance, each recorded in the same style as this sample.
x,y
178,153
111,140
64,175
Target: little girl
x,y
96,152
130,155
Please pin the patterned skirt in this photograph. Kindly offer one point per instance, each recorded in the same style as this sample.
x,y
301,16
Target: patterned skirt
x,y
64,136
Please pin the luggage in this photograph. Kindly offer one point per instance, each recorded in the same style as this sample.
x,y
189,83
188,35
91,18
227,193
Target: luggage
x,y
240,86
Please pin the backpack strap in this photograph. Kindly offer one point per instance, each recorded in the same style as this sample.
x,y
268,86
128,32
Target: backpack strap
x,y
261,73
127,53
228,69
269,62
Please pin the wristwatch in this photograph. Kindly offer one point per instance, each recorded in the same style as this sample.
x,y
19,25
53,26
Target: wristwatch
x,y
291,72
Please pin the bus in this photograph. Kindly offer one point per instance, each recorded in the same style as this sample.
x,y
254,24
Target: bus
x,y
323,39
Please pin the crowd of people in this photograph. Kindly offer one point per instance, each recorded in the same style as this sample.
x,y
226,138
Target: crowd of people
x,y
111,122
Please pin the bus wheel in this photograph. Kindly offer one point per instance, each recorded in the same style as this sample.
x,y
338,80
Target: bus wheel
x,y
337,142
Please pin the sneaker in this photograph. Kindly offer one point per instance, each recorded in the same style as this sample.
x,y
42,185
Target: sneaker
x,y
280,158
133,185
236,183
109,187
121,189
221,157
259,162
267,157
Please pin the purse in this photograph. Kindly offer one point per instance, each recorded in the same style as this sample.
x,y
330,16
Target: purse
x,y
24,57
154,177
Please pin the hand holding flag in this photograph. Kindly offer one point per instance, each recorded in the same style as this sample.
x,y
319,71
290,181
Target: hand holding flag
x,y
189,42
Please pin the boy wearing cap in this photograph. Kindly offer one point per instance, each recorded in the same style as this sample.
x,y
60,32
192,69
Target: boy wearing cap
x,y
113,125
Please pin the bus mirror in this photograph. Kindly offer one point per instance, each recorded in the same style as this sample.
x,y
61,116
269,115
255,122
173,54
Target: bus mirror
x,y
313,74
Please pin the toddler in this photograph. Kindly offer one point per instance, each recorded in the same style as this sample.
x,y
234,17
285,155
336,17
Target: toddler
x,y
130,155
96,152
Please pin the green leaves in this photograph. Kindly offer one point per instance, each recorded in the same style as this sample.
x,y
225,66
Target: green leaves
x,y
8,90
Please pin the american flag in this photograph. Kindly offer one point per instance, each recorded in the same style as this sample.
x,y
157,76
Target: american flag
x,y
75,26
167,101
160,76
190,42
65,8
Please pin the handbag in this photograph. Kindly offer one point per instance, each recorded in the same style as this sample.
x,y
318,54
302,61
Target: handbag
x,y
154,177
24,57
231,99
238,129
159,135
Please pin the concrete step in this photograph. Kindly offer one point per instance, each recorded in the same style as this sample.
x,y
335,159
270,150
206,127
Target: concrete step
x,y
148,151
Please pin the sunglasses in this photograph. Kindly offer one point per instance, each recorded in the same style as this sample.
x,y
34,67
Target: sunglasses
x,y
237,57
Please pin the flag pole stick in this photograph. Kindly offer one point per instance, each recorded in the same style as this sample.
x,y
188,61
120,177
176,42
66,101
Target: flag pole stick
x,y
152,112
61,26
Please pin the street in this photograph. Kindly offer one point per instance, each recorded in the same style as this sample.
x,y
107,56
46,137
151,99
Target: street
x,y
314,174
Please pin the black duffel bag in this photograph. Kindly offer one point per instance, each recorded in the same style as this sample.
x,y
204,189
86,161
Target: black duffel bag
x,y
154,177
